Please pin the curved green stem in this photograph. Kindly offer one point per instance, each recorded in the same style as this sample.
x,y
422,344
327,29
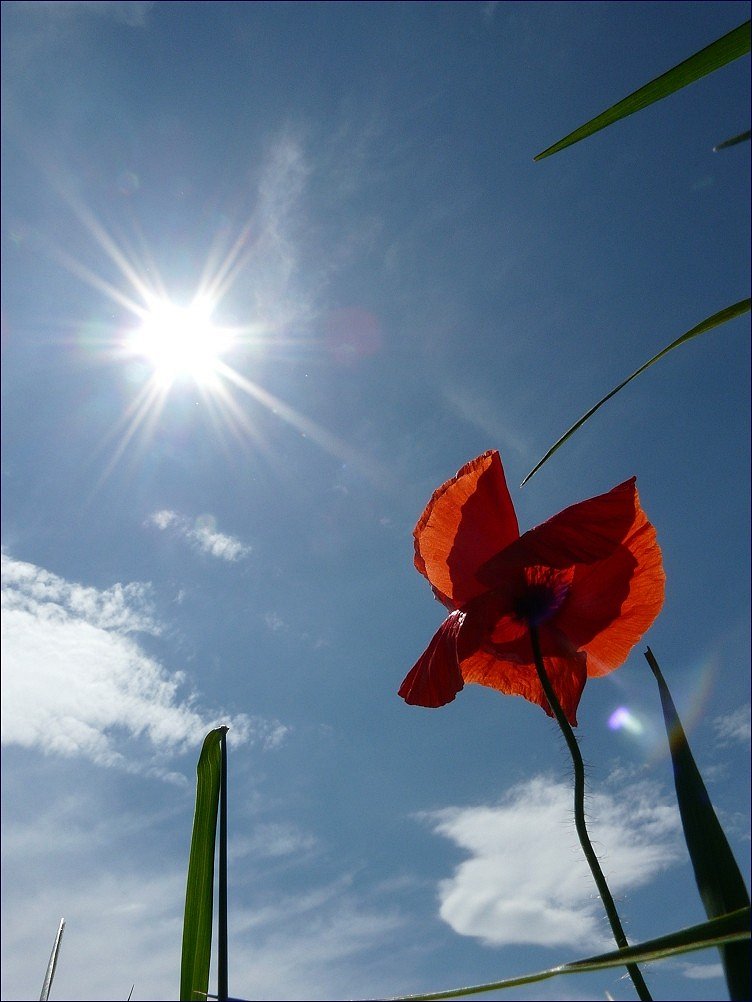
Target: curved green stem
x,y
579,816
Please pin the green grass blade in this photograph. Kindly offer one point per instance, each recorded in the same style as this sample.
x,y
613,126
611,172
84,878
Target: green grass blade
x,y
722,317
743,137
724,50
222,990
52,964
733,928
719,881
199,893
729,928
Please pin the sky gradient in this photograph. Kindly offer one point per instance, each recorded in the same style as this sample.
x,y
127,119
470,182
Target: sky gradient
x,y
352,187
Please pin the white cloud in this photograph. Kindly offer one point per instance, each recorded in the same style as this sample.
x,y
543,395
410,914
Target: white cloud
x,y
125,608
734,726
526,881
163,519
75,682
201,534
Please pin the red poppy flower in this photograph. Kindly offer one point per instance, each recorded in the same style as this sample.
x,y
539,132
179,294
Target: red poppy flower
x,y
590,580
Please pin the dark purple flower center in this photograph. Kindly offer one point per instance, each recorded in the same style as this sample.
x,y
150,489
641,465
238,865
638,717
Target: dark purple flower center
x,y
537,603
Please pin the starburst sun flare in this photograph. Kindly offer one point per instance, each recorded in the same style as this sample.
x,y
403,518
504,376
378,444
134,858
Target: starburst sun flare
x,y
180,342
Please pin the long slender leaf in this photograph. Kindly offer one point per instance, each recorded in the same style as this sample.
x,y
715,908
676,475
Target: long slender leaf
x,y
722,317
52,964
743,137
732,928
719,880
199,894
733,45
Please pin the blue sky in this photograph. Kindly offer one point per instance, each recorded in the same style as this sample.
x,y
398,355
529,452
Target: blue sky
x,y
354,185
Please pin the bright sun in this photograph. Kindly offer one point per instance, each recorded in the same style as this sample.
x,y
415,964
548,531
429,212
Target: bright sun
x,y
180,342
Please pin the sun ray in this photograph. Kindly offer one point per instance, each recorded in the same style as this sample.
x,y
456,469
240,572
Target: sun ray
x,y
218,284
144,411
116,254
95,281
327,440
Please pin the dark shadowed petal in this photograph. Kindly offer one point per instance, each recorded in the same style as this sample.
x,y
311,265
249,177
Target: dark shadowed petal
x,y
582,533
612,603
467,521
435,679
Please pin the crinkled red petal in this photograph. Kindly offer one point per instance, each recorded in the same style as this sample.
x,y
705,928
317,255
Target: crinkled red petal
x,y
468,520
435,679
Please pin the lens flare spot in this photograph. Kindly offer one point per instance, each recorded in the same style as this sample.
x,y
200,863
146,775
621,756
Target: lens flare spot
x,y
623,719
352,335
127,182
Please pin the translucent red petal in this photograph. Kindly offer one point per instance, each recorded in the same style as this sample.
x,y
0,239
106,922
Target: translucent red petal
x,y
468,520
514,674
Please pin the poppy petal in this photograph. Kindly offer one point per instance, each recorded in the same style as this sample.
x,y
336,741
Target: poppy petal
x,y
583,533
435,679
612,603
519,678
467,521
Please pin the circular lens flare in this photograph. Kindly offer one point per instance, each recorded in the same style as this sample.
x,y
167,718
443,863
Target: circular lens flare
x,y
180,342
623,719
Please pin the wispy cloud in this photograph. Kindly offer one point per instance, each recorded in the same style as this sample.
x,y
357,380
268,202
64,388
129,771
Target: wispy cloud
x,y
526,881
131,12
733,727
328,943
324,942
76,682
274,622
701,972
273,840
200,533
279,295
